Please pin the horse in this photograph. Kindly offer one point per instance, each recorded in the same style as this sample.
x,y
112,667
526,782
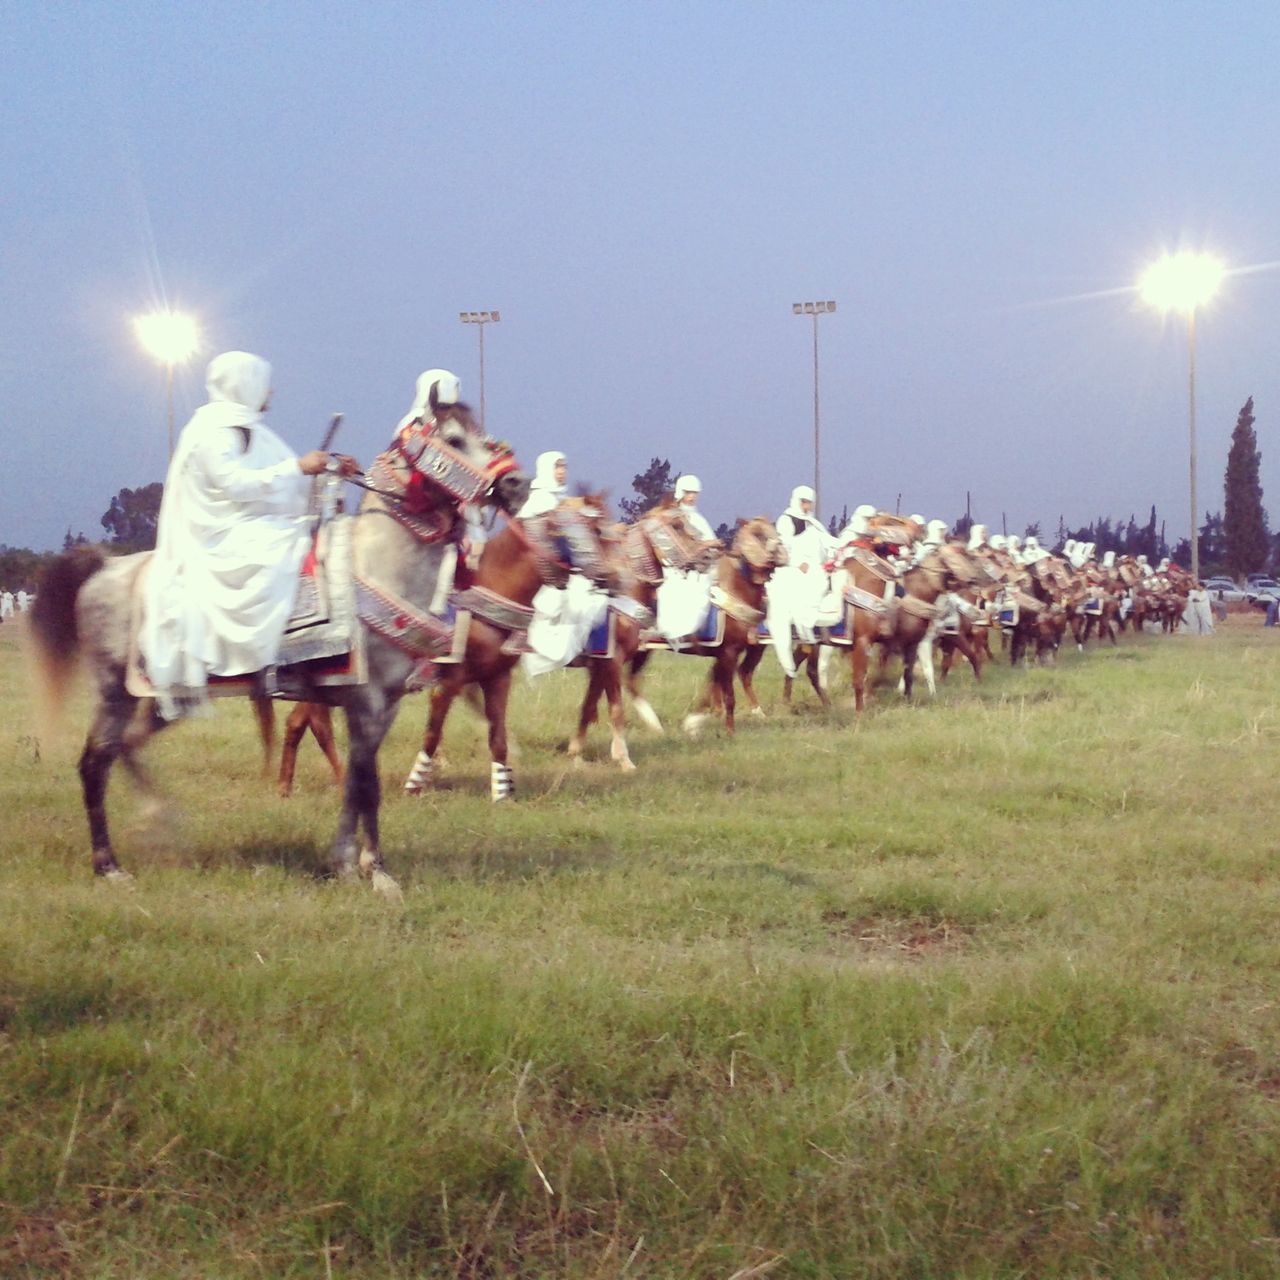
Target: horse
x,y
740,576
318,718
661,538
516,563
407,520
898,624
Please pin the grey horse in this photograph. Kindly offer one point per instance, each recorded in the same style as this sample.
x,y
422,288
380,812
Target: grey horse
x,y
407,523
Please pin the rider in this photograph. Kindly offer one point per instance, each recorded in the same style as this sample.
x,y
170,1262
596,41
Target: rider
x,y
796,590
563,617
232,533
685,594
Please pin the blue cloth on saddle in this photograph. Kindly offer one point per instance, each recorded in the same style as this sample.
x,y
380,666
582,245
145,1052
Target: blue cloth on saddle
x,y
1093,607
1006,616
841,629
710,624
598,640
762,630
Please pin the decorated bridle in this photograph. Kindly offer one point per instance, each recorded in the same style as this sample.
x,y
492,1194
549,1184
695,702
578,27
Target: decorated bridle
x,y
565,541
654,543
426,482
753,565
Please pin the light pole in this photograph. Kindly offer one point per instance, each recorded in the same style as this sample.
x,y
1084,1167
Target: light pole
x,y
815,309
480,318
1183,282
171,338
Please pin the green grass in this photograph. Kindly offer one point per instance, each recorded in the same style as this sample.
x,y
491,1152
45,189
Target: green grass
x,y
980,987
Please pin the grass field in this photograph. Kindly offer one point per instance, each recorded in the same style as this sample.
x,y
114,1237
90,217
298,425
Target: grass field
x,y
983,987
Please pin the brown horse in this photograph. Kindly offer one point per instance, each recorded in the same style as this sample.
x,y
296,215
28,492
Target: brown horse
x,y
661,538
528,554
898,624
738,591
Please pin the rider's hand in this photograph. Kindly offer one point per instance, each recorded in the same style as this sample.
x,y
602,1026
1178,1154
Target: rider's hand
x,y
318,461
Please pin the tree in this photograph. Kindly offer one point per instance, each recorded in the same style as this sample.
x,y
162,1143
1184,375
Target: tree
x,y
1213,544
835,526
650,487
725,532
962,526
1032,531
130,520
1244,520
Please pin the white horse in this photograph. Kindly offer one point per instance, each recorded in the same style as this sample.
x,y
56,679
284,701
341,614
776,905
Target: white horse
x,y
405,525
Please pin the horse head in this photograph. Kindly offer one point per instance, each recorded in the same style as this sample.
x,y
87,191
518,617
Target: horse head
x,y
757,543
576,529
674,542
444,461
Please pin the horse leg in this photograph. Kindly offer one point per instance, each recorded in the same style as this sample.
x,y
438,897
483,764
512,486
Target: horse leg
x,y
104,743
925,654
812,669
611,679
588,715
295,728
909,654
646,712
969,650
858,672
724,672
746,672
496,692
422,775
264,712
320,722
708,701
368,720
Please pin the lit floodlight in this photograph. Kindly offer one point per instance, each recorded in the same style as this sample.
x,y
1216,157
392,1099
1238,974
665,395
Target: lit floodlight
x,y
168,336
1181,281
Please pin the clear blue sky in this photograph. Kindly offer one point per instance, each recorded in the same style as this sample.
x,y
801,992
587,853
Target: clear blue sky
x,y
643,190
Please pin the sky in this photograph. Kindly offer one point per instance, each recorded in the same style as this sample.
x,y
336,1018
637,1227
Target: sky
x,y
642,191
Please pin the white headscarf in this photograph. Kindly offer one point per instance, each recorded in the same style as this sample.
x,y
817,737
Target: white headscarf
x,y
687,484
238,384
935,533
546,491
977,536
801,493
448,391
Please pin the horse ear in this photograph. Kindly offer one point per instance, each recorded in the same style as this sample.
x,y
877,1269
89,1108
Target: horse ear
x,y
433,397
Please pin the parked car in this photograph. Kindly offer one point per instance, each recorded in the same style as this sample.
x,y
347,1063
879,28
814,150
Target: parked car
x,y
1256,577
1225,591
1263,589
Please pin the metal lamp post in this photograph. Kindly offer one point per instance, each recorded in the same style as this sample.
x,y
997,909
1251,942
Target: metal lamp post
x,y
480,318
1184,282
172,338
815,309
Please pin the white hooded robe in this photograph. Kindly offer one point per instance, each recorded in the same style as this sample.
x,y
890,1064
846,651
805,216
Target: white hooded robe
x,y
232,533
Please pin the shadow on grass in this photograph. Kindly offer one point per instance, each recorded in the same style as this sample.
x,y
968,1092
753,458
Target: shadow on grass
x,y
752,871
516,862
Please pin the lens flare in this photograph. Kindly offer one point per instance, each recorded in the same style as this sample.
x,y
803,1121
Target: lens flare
x,y
1181,281
169,336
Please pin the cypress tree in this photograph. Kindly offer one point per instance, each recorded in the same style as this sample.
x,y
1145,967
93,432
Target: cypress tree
x,y
1244,521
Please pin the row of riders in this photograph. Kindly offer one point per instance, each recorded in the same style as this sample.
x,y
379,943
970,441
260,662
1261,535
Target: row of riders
x,y
248,532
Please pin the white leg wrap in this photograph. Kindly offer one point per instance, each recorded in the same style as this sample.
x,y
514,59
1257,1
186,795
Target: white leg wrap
x,y
420,775
501,782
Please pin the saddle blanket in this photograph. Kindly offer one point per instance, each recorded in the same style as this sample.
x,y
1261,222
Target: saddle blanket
x,y
323,644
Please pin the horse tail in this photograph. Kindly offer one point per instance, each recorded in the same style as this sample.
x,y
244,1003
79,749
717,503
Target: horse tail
x,y
54,630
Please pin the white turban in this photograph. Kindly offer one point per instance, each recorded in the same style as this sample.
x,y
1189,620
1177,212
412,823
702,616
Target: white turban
x,y
687,484
977,536
998,541
238,384
544,473
935,532
447,388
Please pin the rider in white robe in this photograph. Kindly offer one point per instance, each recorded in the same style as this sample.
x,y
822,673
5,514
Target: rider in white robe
x,y
232,533
797,590
6,605
684,598
563,619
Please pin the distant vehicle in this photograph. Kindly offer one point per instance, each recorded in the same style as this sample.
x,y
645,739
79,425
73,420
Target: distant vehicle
x,y
1263,589
1225,590
1257,577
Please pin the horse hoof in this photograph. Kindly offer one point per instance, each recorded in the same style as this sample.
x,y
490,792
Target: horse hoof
x,y
118,876
692,724
385,886
759,712
578,762
627,765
